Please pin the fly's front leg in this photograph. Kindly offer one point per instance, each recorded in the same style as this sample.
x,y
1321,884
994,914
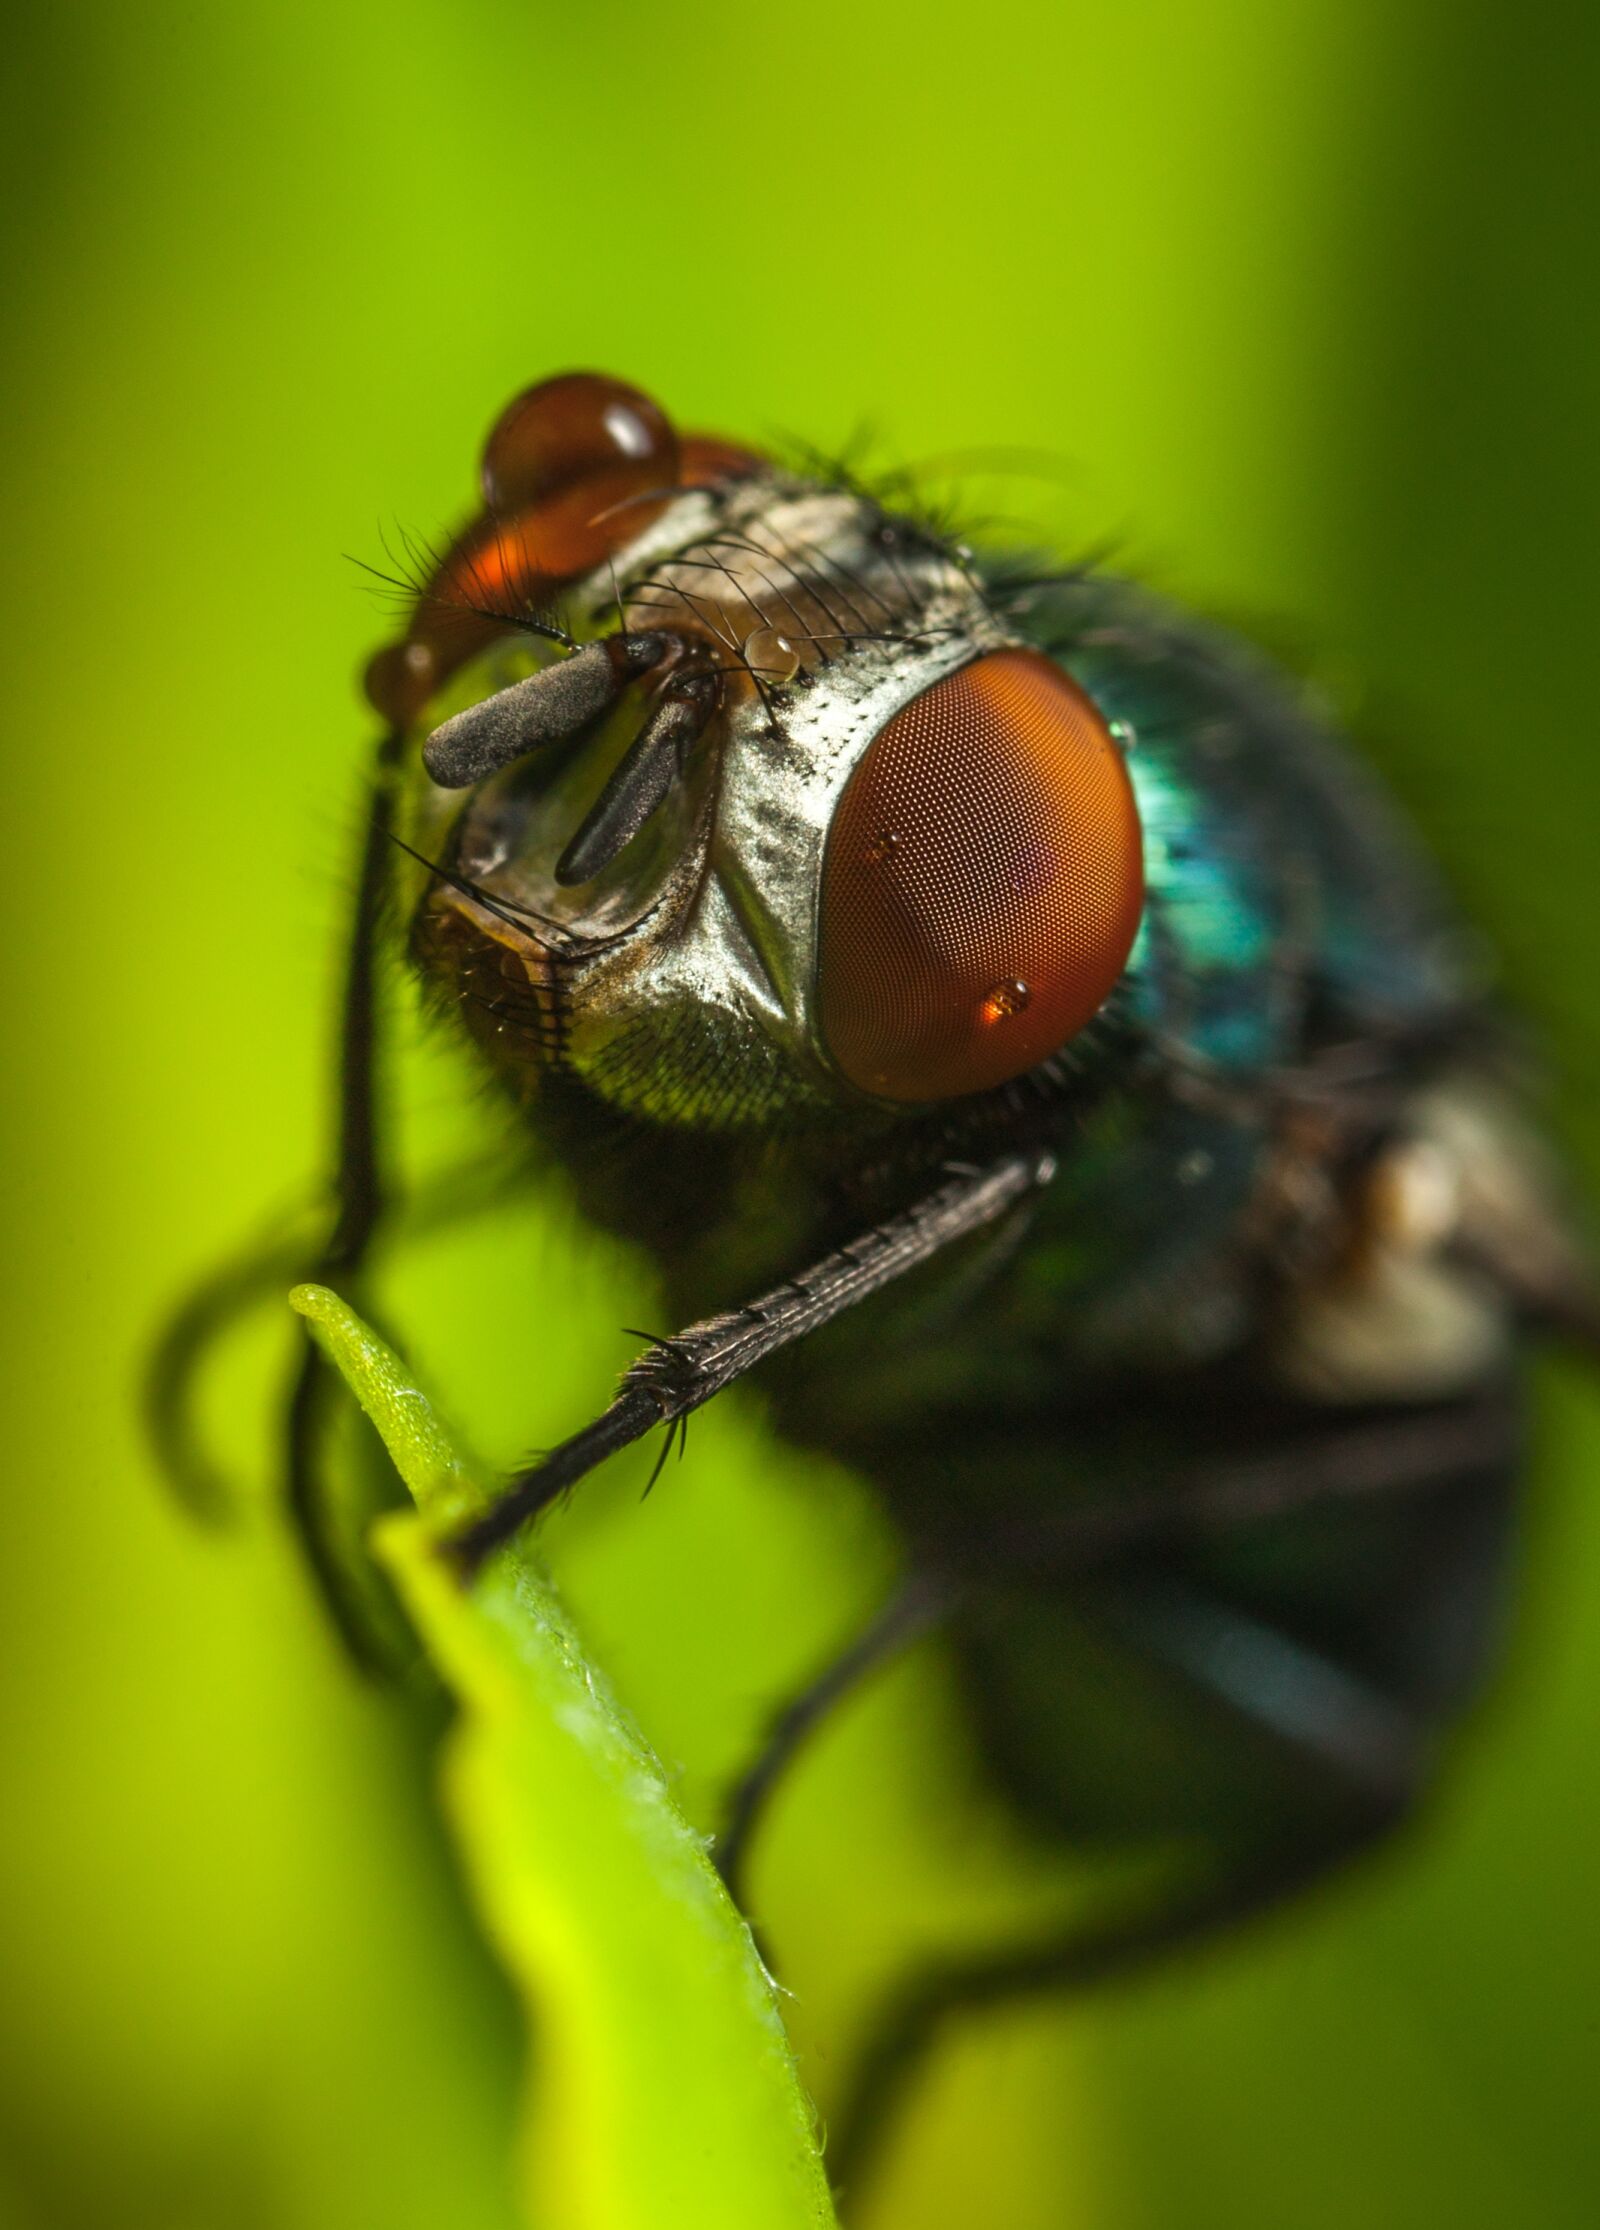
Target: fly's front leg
x,y
229,1293
226,1296
678,1374
358,1193
180,1356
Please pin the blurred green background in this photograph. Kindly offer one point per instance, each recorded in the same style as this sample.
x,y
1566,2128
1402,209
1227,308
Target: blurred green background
x,y
1303,299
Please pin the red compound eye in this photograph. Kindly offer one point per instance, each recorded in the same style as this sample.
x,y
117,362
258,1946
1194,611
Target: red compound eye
x,y
982,886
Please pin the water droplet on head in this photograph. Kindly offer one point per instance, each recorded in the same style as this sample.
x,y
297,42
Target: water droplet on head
x,y
1002,1000
628,431
400,680
572,428
771,657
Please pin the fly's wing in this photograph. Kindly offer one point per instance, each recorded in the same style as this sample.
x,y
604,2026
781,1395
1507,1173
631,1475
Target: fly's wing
x,y
1454,1235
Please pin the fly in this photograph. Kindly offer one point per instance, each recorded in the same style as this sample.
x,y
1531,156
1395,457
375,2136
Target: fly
x,y
1014,1024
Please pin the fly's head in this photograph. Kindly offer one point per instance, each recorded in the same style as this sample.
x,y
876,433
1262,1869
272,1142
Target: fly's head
x,y
735,798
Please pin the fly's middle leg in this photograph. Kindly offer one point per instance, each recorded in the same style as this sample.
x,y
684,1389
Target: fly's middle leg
x,y
1197,1902
1296,1748
921,1602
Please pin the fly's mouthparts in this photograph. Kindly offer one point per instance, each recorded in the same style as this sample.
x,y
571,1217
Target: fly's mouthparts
x,y
641,781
